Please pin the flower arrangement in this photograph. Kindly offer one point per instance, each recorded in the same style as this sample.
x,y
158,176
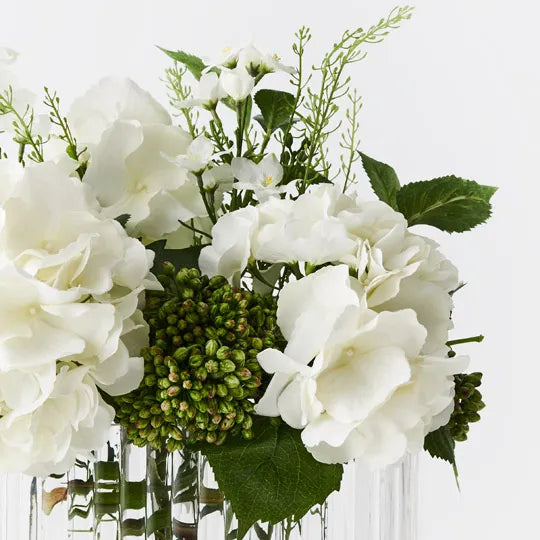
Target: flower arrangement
x,y
215,283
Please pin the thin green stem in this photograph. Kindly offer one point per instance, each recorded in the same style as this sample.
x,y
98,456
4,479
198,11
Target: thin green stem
x,y
303,37
218,131
22,127
194,229
209,208
265,141
240,129
473,339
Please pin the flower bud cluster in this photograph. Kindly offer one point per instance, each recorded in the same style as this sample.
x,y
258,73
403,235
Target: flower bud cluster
x,y
467,404
201,370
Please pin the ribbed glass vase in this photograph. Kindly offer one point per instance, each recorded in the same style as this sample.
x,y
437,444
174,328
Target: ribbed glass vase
x,y
134,493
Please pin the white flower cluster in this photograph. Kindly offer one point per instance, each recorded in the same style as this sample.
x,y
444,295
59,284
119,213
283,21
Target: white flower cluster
x,y
141,165
365,373
70,282
239,71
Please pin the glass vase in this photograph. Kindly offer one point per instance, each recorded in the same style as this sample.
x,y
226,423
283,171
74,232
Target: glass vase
x,y
132,493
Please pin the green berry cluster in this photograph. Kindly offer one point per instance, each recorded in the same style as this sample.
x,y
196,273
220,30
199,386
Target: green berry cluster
x,y
201,374
467,404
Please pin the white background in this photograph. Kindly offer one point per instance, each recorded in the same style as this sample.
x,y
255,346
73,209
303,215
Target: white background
x,y
456,90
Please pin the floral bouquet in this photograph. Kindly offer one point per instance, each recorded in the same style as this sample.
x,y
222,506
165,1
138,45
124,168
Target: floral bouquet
x,y
216,286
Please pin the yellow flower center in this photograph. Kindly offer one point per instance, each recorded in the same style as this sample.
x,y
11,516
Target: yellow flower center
x,y
46,245
268,180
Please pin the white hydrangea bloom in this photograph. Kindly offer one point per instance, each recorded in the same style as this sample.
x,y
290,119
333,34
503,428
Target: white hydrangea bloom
x,y
400,270
306,229
71,422
133,170
112,99
53,231
70,282
369,393
137,159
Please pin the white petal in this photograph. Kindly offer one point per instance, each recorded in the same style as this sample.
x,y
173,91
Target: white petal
x,y
359,383
110,100
308,309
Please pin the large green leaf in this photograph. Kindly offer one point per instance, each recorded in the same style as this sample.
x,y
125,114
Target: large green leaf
x,y
449,203
192,62
276,107
272,476
181,258
383,179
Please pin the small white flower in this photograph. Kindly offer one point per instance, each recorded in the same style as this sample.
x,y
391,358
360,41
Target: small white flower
x,y
252,60
198,155
113,99
220,177
255,62
237,83
262,178
207,94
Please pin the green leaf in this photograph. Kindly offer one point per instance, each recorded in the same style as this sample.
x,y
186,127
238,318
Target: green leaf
x,y
439,444
123,219
276,107
271,477
181,258
383,179
449,203
194,64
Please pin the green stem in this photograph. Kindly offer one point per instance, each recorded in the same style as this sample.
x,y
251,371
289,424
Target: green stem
x,y
294,268
211,211
159,523
218,132
191,126
265,142
322,119
194,229
240,107
474,339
